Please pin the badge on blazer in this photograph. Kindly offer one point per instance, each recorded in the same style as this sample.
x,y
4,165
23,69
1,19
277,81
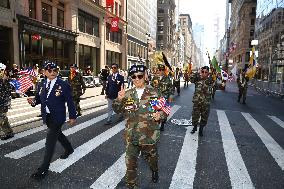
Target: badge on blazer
x,y
58,91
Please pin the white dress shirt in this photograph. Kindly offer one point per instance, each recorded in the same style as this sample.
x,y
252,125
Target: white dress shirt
x,y
48,92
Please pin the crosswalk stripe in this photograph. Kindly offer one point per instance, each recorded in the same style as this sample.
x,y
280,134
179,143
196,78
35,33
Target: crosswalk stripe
x,y
184,174
61,164
103,182
237,170
277,120
40,144
273,147
38,110
23,134
116,172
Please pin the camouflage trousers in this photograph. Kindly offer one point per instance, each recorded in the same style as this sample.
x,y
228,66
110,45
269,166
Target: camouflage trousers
x,y
149,153
242,93
76,100
4,123
200,110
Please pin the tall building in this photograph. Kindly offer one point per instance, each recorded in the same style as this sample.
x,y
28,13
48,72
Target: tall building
x,y
141,30
66,31
270,35
241,31
185,25
166,27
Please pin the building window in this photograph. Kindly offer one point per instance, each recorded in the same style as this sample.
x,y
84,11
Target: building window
x,y
5,4
88,23
32,9
115,37
60,18
46,13
160,37
161,11
116,8
252,22
161,1
160,28
251,33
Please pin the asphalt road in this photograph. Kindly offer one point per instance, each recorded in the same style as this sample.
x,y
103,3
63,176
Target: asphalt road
x,y
242,147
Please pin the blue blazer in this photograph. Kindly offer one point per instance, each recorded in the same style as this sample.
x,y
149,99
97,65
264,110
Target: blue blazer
x,y
113,86
60,93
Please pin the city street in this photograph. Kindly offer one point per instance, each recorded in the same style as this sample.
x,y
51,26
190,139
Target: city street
x,y
242,147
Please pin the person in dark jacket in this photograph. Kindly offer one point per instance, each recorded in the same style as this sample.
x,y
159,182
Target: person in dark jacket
x,y
113,86
103,76
52,94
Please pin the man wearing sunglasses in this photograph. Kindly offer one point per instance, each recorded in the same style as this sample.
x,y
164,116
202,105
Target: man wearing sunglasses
x,y
201,99
164,85
52,94
114,83
5,102
142,128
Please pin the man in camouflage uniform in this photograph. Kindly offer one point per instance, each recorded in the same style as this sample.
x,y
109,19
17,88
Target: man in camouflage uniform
x,y
78,86
201,99
243,86
164,86
5,102
142,127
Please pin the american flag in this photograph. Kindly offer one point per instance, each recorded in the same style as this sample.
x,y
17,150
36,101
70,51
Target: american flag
x,y
23,84
161,104
29,71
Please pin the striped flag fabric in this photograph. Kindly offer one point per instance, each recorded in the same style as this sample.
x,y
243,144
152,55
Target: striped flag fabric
x,y
29,71
166,109
25,83
224,75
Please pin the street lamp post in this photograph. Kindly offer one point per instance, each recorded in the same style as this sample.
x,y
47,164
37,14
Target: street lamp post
x,y
147,54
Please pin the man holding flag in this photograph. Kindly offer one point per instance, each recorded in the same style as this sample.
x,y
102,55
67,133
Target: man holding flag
x,y
5,102
143,108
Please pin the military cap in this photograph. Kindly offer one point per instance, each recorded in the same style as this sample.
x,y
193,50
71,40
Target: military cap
x,y
73,66
48,64
137,68
2,66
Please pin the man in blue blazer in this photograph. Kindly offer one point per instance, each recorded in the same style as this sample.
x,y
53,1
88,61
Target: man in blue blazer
x,y
52,94
114,83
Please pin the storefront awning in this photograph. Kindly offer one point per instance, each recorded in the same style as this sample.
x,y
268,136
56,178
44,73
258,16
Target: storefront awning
x,y
31,25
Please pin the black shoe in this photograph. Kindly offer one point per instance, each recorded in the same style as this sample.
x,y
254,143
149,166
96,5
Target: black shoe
x,y
79,114
155,176
244,102
6,137
66,154
194,129
40,174
39,115
201,131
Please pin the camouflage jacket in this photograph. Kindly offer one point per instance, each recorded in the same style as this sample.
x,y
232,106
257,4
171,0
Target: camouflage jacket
x,y
202,93
164,86
141,128
242,81
77,84
5,94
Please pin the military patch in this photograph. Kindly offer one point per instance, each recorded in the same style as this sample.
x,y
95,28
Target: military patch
x,y
129,104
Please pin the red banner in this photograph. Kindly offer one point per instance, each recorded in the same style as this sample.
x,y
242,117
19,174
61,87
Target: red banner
x,y
114,24
109,3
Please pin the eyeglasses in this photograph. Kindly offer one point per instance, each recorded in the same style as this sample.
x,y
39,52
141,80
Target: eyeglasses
x,y
114,68
52,70
204,72
137,76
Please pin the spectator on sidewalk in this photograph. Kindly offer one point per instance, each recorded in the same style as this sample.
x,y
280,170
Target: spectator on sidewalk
x,y
104,73
114,83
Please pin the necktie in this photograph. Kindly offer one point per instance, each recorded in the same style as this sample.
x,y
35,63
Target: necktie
x,y
47,88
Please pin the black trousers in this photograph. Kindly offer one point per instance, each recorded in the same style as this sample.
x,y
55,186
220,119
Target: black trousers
x,y
176,84
54,133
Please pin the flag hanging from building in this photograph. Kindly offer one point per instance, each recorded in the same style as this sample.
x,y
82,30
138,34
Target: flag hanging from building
x,y
114,24
215,64
109,3
29,71
23,84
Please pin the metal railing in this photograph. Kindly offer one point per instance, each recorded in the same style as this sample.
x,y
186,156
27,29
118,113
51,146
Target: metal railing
x,y
269,88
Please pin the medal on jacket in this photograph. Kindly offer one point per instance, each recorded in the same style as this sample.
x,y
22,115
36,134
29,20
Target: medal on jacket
x,y
129,104
58,91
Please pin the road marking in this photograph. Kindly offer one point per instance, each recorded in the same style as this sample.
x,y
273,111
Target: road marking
x,y
273,147
112,176
116,172
237,169
277,120
38,110
40,144
23,134
184,174
61,164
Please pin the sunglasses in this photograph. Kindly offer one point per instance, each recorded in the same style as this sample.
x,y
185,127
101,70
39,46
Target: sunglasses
x,y
52,70
137,76
114,68
204,72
